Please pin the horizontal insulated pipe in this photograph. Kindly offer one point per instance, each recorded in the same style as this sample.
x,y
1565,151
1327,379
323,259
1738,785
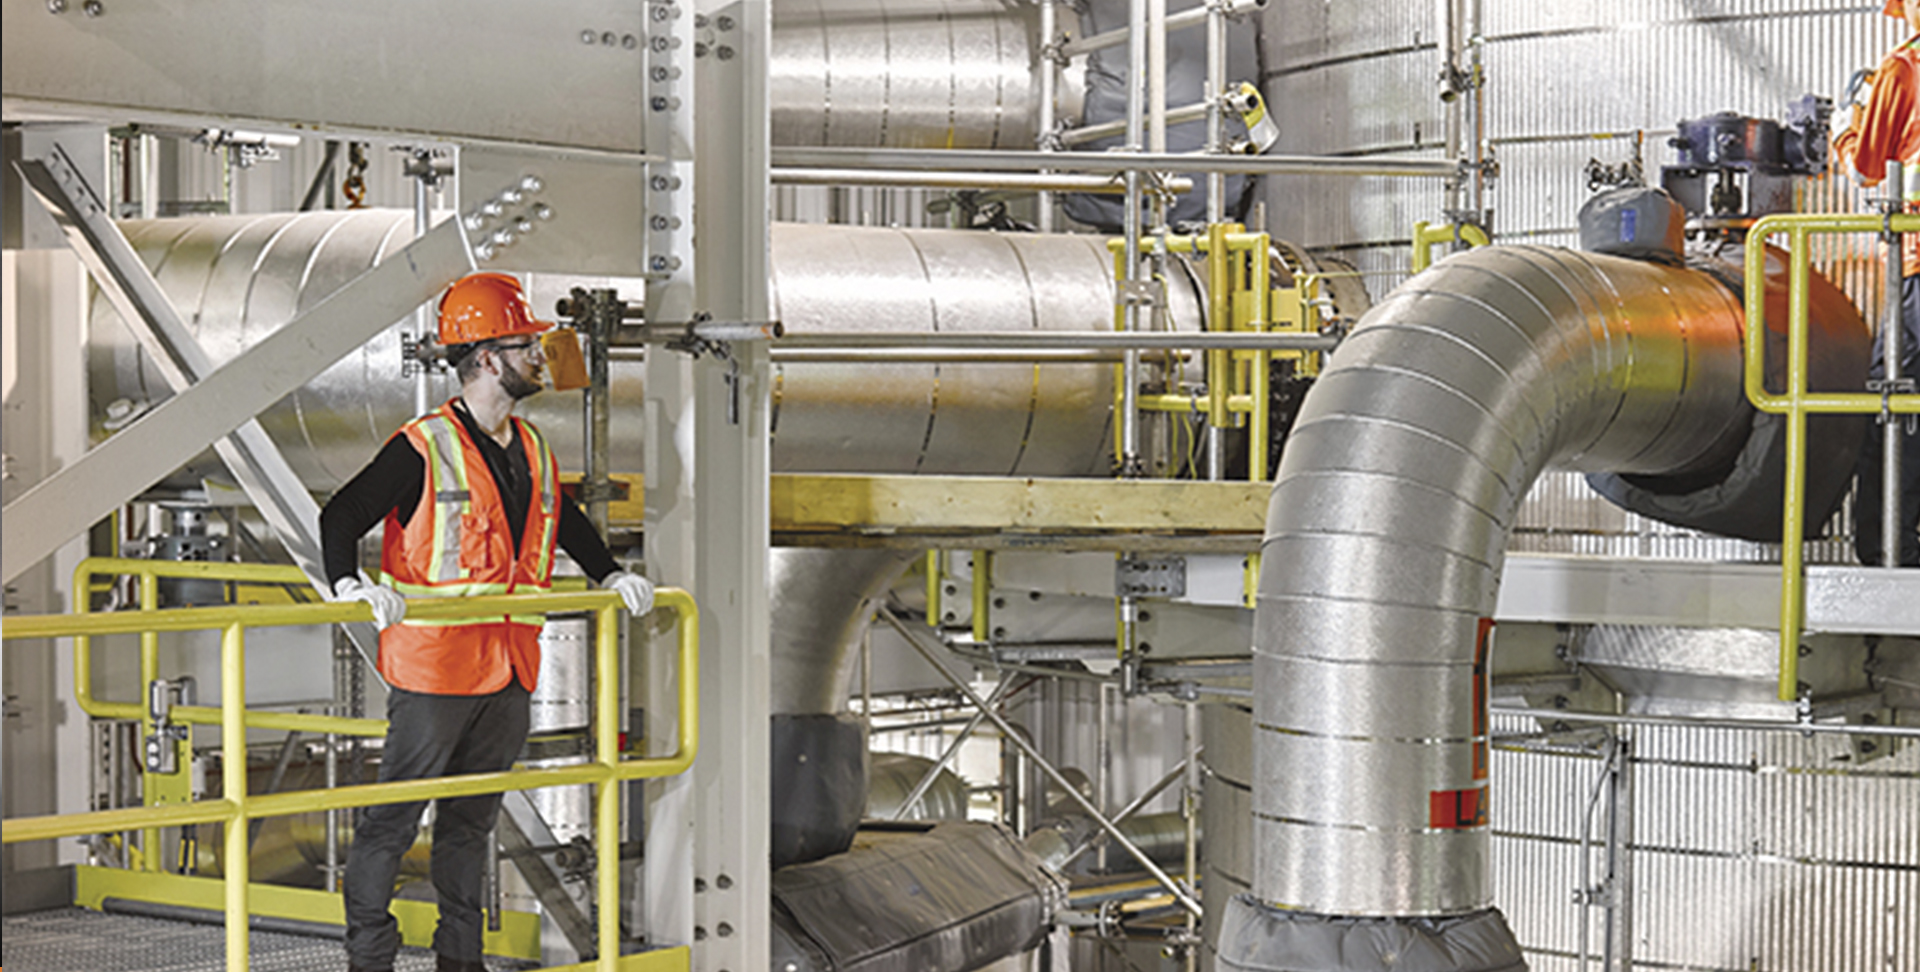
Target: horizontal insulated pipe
x,y
1386,534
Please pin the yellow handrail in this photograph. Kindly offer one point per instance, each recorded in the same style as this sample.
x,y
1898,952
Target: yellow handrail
x,y
1797,402
236,807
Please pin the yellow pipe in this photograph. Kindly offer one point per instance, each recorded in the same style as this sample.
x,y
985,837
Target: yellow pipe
x,y
1262,286
1219,319
1425,236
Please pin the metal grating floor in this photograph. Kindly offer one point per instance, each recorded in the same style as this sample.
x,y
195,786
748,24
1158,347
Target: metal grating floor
x,y
79,940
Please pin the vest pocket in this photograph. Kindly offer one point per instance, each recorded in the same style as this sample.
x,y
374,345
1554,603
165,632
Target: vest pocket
x,y
480,544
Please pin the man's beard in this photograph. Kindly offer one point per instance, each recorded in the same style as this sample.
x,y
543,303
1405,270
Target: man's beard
x,y
517,385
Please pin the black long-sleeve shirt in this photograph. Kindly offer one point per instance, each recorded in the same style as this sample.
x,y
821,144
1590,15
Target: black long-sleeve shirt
x,y
392,483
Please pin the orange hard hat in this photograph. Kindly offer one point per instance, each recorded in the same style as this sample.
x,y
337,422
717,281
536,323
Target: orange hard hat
x,y
1895,8
484,306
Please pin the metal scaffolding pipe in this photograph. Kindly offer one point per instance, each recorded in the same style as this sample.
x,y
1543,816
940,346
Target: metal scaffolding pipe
x,y
923,178
1061,341
1171,116
1112,162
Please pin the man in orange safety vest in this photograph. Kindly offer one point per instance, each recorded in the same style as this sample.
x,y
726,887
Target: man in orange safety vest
x,y
1887,129
470,497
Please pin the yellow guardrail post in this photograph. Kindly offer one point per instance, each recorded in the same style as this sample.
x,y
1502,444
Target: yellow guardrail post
x,y
235,807
237,868
1798,401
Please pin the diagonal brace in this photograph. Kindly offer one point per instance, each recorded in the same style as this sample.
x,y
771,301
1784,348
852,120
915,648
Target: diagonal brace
x,y
210,405
914,638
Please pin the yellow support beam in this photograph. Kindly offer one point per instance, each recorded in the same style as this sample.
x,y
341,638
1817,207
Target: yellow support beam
x,y
825,503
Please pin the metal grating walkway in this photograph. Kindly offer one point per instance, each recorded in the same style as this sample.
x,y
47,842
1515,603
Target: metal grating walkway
x,y
79,940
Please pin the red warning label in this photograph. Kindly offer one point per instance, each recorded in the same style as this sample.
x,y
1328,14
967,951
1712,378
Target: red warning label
x,y
1482,645
1457,809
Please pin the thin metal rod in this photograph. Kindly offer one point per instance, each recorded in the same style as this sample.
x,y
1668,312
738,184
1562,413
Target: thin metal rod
x,y
1060,340
1586,848
1017,181
423,316
1157,119
1892,527
915,638
1190,810
983,160
1215,95
909,356
953,749
1127,812
1758,725
1049,93
1108,129
1129,300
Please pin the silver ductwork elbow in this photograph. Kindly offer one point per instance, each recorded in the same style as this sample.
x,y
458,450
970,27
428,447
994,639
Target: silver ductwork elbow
x,y
1386,535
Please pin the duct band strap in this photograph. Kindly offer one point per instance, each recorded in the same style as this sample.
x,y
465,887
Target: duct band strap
x,y
1255,937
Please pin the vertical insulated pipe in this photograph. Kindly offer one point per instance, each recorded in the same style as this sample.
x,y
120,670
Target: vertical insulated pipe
x,y
1386,533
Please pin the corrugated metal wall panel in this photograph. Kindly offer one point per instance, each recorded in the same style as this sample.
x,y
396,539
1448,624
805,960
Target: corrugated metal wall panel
x,y
1567,81
1752,851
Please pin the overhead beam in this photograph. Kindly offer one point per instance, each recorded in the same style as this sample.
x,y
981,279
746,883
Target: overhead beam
x,y
211,406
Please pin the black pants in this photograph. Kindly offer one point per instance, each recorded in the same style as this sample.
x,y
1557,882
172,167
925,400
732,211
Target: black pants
x,y
429,736
1868,473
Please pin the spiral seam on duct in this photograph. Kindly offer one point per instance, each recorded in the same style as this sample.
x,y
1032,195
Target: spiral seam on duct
x,y
1386,533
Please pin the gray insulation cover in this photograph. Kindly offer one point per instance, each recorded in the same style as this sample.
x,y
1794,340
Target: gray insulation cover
x,y
1637,222
957,897
1738,493
1106,101
1258,938
819,785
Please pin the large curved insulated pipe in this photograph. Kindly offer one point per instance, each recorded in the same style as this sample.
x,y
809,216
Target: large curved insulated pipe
x,y
1386,533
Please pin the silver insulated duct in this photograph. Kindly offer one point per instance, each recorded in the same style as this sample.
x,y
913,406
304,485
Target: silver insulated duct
x,y
1386,534
236,279
904,73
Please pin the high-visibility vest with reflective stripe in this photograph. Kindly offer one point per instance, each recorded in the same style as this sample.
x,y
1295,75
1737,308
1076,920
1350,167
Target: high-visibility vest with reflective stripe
x,y
458,544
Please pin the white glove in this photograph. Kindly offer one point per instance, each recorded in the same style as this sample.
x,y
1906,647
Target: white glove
x,y
388,606
634,589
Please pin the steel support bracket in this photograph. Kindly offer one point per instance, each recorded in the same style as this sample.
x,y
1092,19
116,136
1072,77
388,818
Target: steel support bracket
x,y
1150,577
